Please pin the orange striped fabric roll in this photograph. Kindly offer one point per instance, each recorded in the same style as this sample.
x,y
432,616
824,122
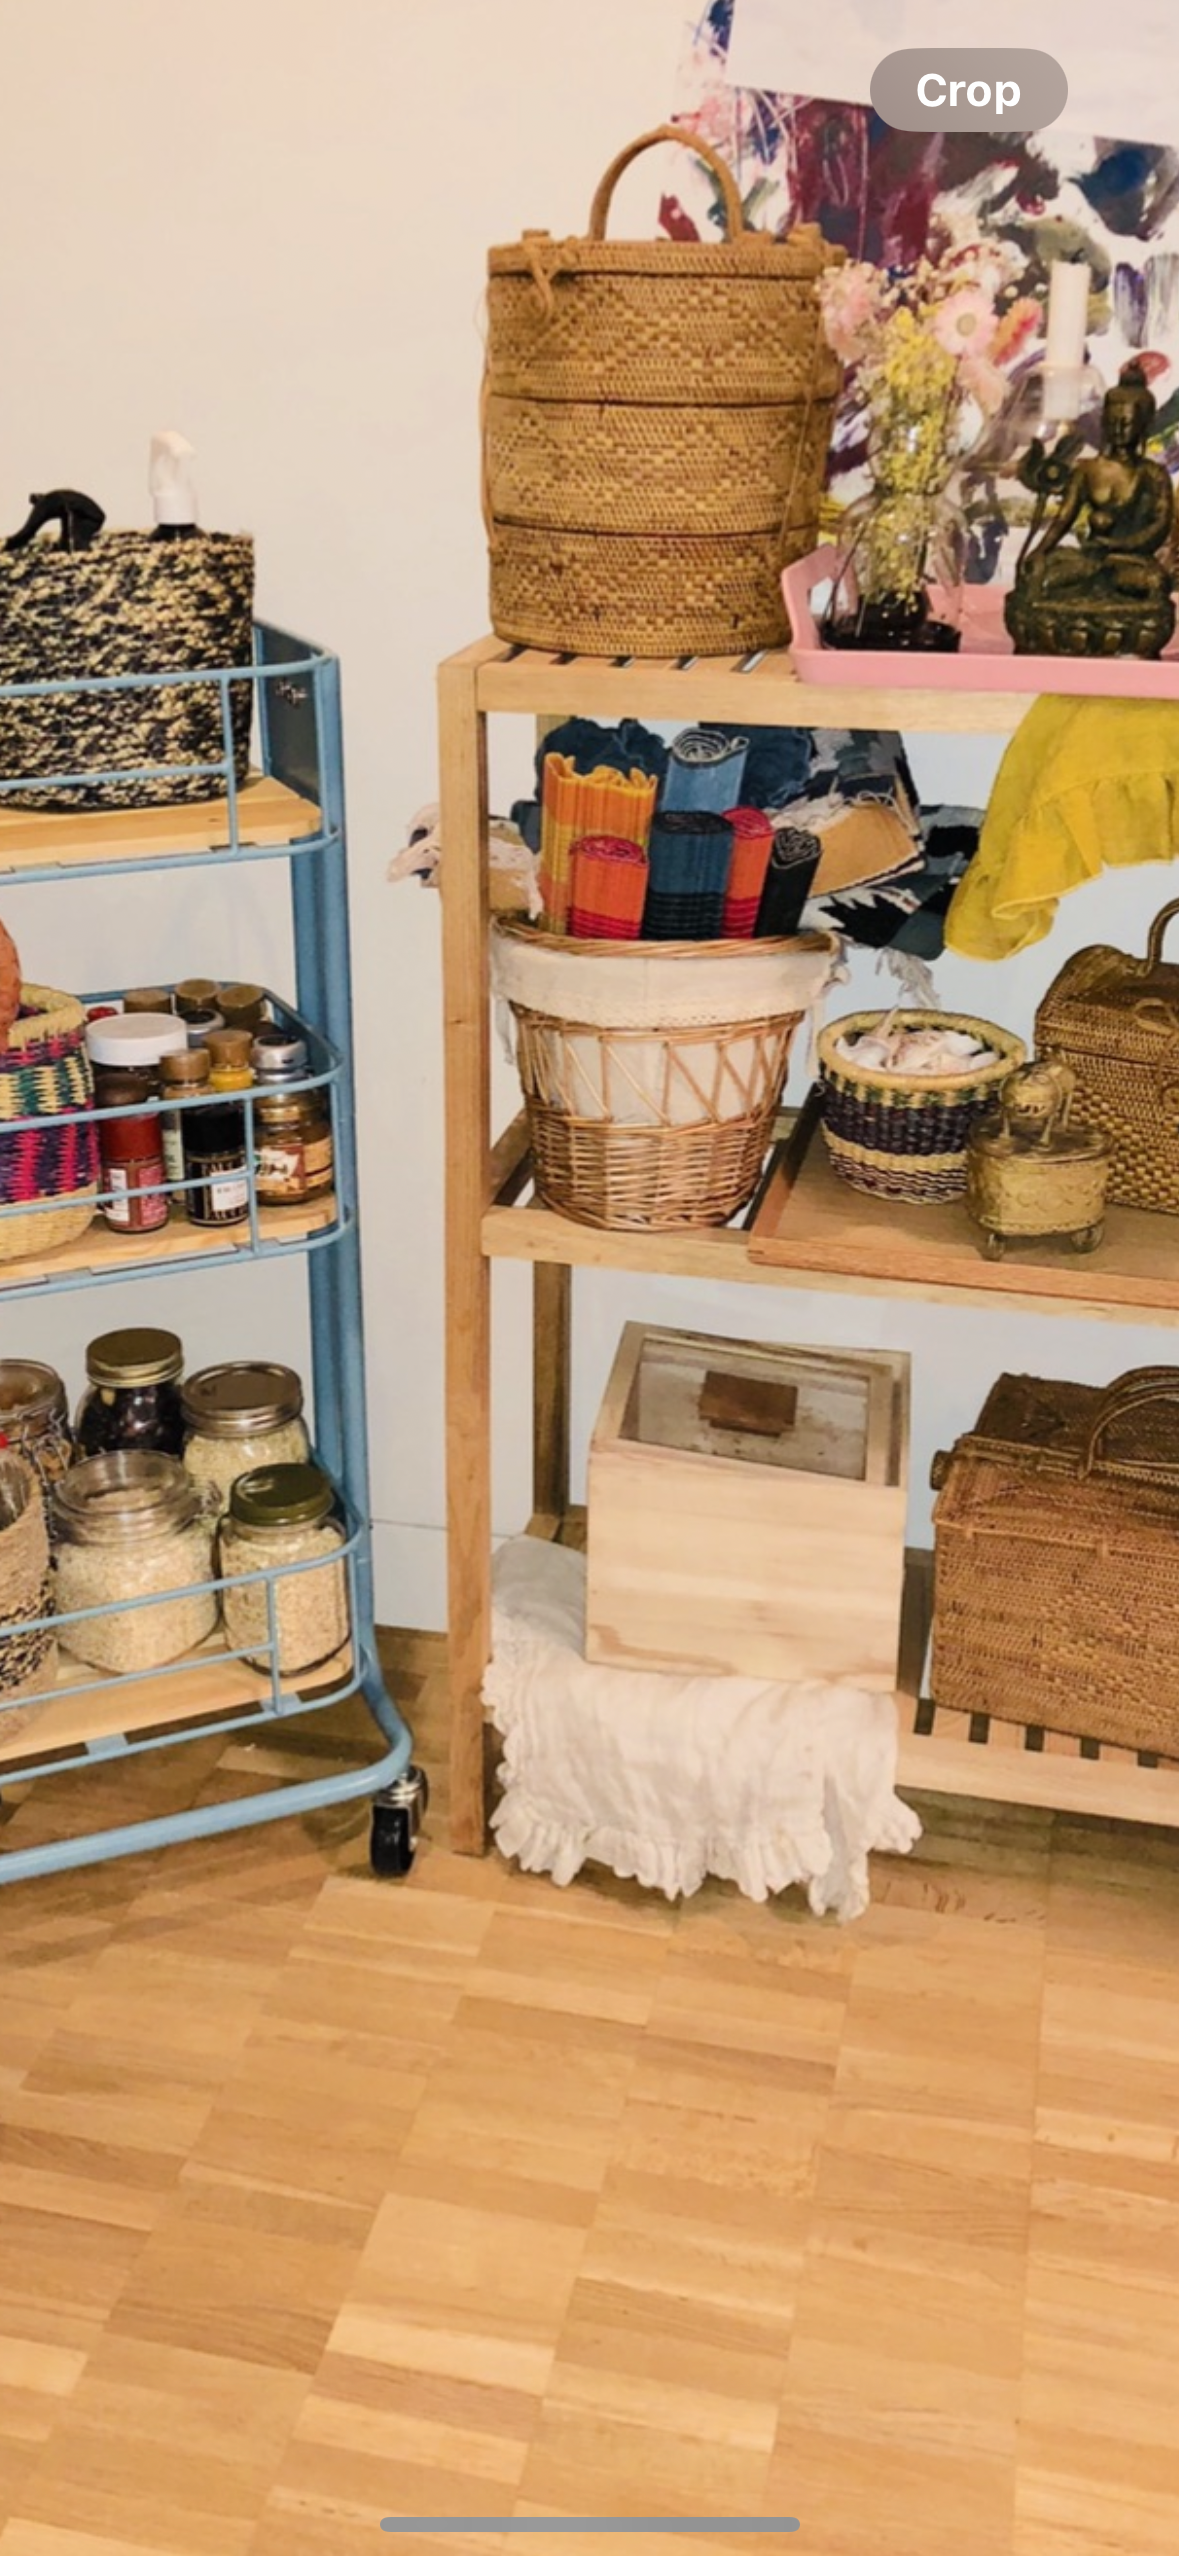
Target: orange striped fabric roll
x,y
753,837
576,803
609,889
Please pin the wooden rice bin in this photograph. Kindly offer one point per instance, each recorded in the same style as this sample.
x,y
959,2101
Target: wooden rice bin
x,y
747,1510
657,416
1056,1560
1114,1020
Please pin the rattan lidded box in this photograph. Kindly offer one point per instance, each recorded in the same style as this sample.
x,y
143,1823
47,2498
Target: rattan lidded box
x,y
656,419
747,1510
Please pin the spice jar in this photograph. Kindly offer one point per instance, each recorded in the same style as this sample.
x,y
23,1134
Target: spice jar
x,y
34,1418
278,1516
293,1128
199,1025
131,1157
180,1076
240,1417
132,1527
195,995
215,1146
148,998
242,1007
133,1042
133,1403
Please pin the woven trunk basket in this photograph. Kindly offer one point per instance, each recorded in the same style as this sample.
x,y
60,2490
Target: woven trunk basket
x,y
907,1135
28,1659
128,605
1114,1020
51,1168
652,1072
656,424
1056,1577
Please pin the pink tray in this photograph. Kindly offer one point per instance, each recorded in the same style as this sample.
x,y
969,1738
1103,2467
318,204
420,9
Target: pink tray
x,y
985,662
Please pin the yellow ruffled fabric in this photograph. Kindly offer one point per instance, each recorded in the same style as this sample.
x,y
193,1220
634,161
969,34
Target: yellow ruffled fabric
x,y
1084,786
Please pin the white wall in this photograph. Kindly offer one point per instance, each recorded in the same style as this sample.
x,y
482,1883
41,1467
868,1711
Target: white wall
x,y
267,225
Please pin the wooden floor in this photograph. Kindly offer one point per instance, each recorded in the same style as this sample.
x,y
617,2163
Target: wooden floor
x,y
322,2200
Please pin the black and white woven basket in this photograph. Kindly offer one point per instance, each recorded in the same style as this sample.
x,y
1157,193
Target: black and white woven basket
x,y
126,605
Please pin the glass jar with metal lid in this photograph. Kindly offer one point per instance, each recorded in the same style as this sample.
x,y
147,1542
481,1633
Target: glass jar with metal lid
x,y
239,1417
34,1418
294,1129
278,1516
132,1528
134,1398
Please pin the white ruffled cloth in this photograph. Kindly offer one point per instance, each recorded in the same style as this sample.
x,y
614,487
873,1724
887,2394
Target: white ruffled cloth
x,y
666,1779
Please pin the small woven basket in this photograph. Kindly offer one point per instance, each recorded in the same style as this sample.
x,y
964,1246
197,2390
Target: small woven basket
x,y
906,1135
28,1657
44,1075
128,605
656,420
652,1072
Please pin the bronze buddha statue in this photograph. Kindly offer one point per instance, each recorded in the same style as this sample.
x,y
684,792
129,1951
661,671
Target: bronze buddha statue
x,y
1107,592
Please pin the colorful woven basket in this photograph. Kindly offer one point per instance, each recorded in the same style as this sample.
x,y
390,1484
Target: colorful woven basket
x,y
127,605
906,1135
44,1075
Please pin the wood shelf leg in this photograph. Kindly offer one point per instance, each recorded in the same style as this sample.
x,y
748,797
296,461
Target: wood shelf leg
x,y
463,800
552,1302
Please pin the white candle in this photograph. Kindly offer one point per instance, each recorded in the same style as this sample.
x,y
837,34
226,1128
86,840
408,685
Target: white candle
x,y
1068,315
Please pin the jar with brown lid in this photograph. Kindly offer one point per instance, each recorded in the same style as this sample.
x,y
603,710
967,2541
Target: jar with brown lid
x,y
242,1007
195,995
133,1402
154,999
34,1417
180,1076
295,1159
216,1142
131,1154
240,1416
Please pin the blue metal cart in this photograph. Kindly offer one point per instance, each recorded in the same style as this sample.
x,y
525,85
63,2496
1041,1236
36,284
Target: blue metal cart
x,y
292,811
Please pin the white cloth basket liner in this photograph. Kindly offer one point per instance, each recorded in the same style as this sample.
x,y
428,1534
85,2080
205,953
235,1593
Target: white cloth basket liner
x,y
702,988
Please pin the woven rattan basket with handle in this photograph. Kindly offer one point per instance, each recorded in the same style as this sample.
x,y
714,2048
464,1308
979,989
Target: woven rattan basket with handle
x,y
1115,1021
652,1072
1056,1579
907,1135
656,422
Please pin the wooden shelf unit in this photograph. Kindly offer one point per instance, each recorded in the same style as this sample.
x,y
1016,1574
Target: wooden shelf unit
x,y
826,1238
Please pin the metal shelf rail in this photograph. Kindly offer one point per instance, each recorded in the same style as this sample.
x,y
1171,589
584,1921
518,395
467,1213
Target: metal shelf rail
x,y
294,811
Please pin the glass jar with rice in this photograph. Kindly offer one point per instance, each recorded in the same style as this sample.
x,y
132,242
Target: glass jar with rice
x,y
237,1417
279,1516
132,1527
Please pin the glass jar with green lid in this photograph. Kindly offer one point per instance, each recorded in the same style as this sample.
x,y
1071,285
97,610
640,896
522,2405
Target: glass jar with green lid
x,y
133,1401
34,1418
280,1515
132,1527
239,1417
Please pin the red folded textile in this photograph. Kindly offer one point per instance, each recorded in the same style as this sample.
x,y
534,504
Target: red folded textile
x,y
753,837
608,888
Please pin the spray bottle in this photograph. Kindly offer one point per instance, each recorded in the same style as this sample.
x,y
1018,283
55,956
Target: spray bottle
x,y
171,483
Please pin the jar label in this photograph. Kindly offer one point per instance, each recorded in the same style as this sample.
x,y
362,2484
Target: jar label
x,y
127,1209
295,1170
229,1196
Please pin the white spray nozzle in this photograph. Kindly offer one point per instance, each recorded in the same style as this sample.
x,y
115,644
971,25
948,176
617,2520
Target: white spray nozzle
x,y
170,478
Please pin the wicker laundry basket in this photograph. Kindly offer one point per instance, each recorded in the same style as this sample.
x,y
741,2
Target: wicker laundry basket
x,y
1056,1567
652,1072
49,1169
1115,1021
127,605
906,1135
656,424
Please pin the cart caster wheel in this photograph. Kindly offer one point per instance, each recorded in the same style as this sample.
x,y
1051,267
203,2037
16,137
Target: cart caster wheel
x,y
994,1247
1089,1239
398,1813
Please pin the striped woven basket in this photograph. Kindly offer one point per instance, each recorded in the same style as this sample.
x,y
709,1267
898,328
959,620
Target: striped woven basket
x,y
906,1135
45,1074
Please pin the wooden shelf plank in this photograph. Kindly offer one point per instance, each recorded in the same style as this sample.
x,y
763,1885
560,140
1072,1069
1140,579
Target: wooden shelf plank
x,y
269,815
211,1687
533,681
101,1253
811,1221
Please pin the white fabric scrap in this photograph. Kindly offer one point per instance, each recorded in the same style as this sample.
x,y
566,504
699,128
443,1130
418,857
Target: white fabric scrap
x,y
666,1779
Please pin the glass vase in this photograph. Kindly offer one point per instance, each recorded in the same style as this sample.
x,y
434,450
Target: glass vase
x,y
902,561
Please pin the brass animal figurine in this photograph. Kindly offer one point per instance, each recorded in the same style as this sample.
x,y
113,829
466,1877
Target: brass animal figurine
x,y
1033,1179
1090,580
